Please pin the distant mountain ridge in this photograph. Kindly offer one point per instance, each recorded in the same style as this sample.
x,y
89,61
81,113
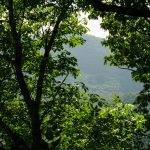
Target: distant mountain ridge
x,y
102,79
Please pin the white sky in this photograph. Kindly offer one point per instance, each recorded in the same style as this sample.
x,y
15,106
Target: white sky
x,y
95,29
94,26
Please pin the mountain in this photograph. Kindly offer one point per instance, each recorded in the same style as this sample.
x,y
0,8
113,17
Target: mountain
x,y
102,79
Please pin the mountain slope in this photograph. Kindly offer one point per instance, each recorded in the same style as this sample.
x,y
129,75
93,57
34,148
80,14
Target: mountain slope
x,y
102,79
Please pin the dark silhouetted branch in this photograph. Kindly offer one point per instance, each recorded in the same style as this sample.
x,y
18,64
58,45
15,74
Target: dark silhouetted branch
x,y
131,11
127,69
18,57
46,56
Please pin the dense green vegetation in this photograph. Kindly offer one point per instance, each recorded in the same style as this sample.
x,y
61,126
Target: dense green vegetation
x,y
129,43
39,109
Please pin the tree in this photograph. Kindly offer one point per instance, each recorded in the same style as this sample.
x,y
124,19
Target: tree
x,y
34,67
31,34
129,43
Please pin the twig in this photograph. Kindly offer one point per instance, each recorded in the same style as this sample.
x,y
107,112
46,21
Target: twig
x,y
127,69
54,96
44,61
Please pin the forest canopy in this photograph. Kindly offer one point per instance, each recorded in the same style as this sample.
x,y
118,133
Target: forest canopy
x,y
39,110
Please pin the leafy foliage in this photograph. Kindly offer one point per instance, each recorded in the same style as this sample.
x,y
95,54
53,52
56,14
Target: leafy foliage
x,y
104,127
129,43
38,108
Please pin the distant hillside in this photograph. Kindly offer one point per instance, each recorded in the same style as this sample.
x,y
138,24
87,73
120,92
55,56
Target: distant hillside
x,y
102,79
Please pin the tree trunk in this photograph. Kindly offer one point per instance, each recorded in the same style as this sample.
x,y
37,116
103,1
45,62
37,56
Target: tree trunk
x,y
37,142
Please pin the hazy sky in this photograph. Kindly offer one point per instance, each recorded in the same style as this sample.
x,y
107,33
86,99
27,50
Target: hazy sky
x,y
94,26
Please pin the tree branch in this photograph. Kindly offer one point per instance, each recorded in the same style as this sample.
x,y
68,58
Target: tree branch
x,y
18,57
146,34
131,11
44,61
53,96
127,69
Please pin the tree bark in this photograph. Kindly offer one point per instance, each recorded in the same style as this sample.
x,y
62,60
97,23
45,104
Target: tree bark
x,y
37,142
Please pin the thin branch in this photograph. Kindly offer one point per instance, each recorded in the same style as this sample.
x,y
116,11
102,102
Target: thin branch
x,y
140,31
131,11
18,57
54,96
127,69
46,56
63,80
